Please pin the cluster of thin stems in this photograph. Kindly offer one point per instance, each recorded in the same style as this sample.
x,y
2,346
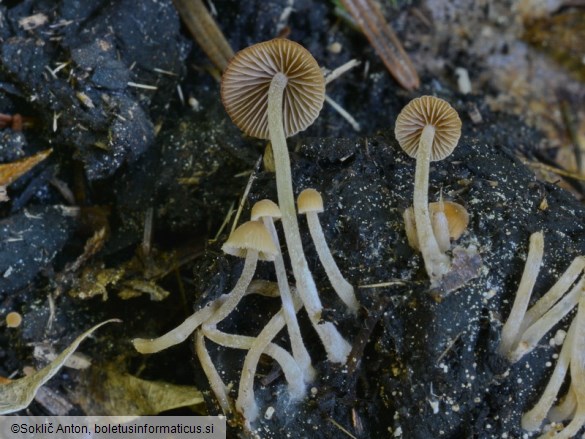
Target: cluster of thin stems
x,y
525,328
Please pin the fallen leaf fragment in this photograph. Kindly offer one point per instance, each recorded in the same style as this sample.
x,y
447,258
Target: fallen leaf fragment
x,y
111,392
18,394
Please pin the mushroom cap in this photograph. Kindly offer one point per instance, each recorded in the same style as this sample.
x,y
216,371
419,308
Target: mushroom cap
x,y
251,235
428,110
457,217
13,319
245,84
265,208
310,200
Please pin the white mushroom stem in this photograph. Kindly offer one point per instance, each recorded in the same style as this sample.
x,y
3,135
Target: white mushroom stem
x,y
511,329
341,286
532,419
246,403
215,382
577,372
565,409
436,263
410,227
543,304
290,368
177,335
534,333
231,300
300,353
575,357
441,227
336,346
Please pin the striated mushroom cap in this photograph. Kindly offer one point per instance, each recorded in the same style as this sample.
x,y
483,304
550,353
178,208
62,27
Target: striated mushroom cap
x,y
263,208
310,200
245,84
428,110
251,235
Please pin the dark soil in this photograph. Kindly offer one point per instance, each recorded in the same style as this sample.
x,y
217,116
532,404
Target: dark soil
x,y
420,367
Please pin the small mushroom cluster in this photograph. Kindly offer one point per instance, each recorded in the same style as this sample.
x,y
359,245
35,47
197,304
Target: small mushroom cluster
x,y
257,240
273,90
526,327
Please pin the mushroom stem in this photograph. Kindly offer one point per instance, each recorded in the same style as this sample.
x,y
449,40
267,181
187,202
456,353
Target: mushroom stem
x,y
529,339
341,286
177,335
336,346
565,409
246,403
232,299
511,329
440,226
215,382
290,368
543,304
532,419
578,371
436,262
300,353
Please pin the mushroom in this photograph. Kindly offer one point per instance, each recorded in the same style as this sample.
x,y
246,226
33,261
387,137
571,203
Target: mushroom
x,y
310,203
251,241
571,357
273,90
511,329
267,211
525,328
448,219
428,129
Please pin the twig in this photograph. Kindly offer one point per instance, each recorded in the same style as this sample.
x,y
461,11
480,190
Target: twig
x,y
336,73
385,42
339,426
245,194
343,113
205,31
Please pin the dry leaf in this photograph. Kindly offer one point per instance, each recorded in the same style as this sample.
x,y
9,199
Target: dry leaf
x,y
112,392
18,394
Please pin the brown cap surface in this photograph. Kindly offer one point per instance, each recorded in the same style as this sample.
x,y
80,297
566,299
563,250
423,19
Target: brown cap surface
x,y
251,236
310,200
428,110
245,84
265,208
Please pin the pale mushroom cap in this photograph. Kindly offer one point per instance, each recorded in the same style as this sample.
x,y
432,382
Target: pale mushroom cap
x,y
428,110
245,84
13,319
251,235
265,208
457,217
310,200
